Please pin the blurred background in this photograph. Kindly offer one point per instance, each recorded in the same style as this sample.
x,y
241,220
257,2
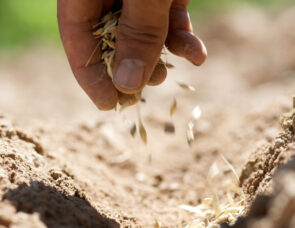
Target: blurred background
x,y
250,43
35,20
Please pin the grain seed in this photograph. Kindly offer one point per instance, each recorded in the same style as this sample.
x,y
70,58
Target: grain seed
x,y
190,136
142,131
173,107
213,171
169,128
197,113
133,130
186,87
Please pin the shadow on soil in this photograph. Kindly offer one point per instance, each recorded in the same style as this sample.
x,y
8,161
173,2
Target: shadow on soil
x,y
55,208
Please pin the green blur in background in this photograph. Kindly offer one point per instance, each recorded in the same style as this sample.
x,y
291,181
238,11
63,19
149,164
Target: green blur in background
x,y
29,21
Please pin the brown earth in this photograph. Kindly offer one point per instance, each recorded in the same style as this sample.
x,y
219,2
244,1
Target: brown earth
x,y
64,164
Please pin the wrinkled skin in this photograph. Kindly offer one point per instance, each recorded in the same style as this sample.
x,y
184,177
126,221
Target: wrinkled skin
x,y
144,27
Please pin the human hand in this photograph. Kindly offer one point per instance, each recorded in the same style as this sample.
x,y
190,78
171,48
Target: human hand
x,y
144,28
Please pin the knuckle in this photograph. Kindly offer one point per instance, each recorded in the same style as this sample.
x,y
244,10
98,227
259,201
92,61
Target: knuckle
x,y
145,34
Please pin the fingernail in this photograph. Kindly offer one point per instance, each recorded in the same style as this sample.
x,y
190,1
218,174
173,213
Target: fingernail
x,y
129,74
196,53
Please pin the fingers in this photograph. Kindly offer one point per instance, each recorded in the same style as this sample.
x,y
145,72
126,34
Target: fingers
x,y
142,31
181,41
76,18
159,75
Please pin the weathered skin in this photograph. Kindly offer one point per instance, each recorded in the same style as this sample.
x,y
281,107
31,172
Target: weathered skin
x,y
145,26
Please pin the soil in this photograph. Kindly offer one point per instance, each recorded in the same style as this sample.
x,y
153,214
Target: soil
x,y
65,164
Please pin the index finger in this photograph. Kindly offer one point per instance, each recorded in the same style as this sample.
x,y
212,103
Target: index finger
x,y
76,19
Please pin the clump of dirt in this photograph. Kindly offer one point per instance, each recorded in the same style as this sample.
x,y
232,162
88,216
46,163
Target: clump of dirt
x,y
257,175
34,194
277,210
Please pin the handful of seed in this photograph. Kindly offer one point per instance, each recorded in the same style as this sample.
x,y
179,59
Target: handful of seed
x,y
106,33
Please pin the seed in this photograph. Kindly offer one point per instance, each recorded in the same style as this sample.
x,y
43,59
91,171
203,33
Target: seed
x,y
213,171
173,107
190,133
142,131
236,176
169,128
186,87
133,130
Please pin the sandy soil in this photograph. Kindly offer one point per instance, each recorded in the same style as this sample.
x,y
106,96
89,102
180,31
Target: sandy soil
x,y
65,164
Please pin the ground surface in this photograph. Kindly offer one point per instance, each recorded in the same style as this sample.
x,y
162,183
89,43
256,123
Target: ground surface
x,y
64,164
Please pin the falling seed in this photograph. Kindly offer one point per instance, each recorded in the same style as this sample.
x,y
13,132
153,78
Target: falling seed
x,y
143,100
293,101
169,128
173,107
213,171
133,130
196,114
142,131
186,87
190,137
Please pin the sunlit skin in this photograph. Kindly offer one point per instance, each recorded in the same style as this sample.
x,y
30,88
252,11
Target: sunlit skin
x,y
144,28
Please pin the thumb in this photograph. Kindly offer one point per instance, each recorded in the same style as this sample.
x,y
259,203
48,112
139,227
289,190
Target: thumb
x,y
142,31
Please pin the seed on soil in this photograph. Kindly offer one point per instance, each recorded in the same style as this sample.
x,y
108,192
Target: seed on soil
x,y
234,172
211,213
197,113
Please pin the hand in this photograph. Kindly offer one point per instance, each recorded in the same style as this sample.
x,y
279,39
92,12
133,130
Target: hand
x,y
144,27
